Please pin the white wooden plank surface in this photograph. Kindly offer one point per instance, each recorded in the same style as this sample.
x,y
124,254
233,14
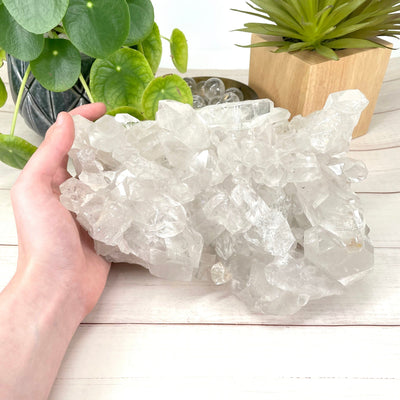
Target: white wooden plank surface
x,y
382,213
232,388
383,170
392,72
384,132
150,337
240,362
132,295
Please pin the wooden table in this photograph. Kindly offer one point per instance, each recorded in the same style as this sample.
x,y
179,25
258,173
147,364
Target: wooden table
x,y
159,339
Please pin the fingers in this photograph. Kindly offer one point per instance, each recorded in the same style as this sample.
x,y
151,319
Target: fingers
x,y
51,154
90,111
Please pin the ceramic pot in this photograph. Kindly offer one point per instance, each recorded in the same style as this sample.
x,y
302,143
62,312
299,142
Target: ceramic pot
x,y
39,107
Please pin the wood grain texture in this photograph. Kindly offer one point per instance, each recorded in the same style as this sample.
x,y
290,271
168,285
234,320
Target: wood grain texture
x,y
241,362
232,388
384,132
302,81
132,295
383,170
392,72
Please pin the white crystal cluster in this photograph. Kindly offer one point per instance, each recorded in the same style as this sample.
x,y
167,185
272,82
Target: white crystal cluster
x,y
234,193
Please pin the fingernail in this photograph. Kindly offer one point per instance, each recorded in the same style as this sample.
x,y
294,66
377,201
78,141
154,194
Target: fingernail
x,y
60,118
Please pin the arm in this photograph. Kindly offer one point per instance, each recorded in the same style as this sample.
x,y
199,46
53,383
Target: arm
x,y
59,277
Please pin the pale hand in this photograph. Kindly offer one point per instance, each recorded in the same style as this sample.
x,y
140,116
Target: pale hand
x,y
59,277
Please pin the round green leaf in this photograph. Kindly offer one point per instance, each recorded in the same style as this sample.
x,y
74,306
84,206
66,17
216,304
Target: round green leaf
x,y
170,87
121,79
37,16
59,65
127,110
179,50
97,27
16,40
15,151
142,19
3,94
152,48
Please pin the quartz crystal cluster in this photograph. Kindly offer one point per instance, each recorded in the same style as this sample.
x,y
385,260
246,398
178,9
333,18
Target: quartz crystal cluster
x,y
234,193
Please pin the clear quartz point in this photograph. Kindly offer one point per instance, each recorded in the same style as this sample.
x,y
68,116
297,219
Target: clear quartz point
x,y
233,193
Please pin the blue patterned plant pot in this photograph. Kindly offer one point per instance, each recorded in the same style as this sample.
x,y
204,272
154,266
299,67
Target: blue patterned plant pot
x,y
39,107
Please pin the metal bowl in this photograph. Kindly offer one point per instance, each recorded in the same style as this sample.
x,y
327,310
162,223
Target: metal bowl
x,y
248,92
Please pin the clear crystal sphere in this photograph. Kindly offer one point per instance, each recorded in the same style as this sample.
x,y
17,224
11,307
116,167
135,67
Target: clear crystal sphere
x,y
237,92
214,87
199,102
191,83
230,97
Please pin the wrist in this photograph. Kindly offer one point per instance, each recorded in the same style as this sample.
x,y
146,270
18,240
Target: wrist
x,y
44,300
38,325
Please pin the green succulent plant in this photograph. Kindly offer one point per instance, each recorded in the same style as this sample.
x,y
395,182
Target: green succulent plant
x,y
323,25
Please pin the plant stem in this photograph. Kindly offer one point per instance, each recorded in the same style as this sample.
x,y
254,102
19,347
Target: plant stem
x,y
166,38
86,87
59,29
19,98
140,47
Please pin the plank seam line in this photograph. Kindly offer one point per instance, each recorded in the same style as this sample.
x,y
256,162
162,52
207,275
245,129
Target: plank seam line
x,y
379,193
375,246
342,377
391,80
396,192
58,379
383,193
386,170
388,111
88,324
7,112
376,149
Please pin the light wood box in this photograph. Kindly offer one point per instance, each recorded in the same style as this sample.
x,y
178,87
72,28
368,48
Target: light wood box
x,y
302,81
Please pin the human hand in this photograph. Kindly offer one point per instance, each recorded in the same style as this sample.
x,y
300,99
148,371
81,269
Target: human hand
x,y
54,252
59,277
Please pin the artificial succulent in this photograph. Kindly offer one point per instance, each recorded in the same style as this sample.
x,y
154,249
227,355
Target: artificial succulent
x,y
323,25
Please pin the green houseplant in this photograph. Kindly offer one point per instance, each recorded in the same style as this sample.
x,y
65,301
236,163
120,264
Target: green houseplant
x,y
3,90
324,25
312,45
119,35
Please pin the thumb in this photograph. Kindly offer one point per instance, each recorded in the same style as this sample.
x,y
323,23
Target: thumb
x,y
50,155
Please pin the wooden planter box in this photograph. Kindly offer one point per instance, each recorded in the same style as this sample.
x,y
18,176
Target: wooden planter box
x,y
302,81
